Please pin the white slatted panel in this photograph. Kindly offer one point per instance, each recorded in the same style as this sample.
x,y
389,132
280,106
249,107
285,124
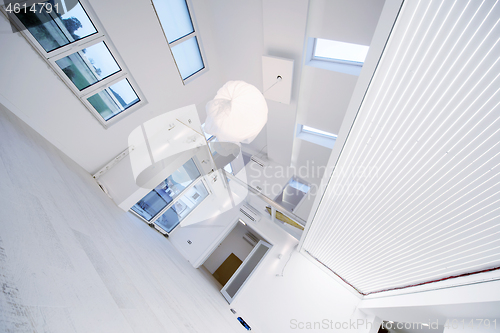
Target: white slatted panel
x,y
415,195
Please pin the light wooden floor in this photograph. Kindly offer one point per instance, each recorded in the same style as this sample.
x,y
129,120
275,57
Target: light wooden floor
x,y
71,261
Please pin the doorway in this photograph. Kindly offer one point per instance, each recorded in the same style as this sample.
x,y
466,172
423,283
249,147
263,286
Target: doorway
x,y
234,260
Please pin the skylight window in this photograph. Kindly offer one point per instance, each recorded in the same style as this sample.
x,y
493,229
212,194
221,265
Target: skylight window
x,y
331,50
179,29
75,46
115,99
316,136
54,29
310,130
89,65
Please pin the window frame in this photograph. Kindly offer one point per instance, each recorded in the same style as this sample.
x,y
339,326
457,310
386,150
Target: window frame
x,y
314,131
194,34
196,181
99,36
334,65
335,60
327,141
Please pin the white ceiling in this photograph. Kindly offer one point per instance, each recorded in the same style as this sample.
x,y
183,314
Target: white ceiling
x,y
31,90
234,35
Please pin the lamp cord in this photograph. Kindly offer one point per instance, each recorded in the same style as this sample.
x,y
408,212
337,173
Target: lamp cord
x,y
261,151
290,257
278,80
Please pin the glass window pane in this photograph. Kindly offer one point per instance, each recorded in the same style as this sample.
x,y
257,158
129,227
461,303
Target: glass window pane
x,y
53,30
150,205
187,203
229,168
77,22
115,99
174,18
88,66
330,49
187,55
163,194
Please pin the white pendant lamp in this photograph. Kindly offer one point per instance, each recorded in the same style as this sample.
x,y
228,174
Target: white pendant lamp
x,y
237,113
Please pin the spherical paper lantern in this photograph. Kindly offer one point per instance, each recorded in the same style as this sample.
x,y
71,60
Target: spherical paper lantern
x,y
237,113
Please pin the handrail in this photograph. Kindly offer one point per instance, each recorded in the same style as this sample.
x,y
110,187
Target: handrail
x,y
267,200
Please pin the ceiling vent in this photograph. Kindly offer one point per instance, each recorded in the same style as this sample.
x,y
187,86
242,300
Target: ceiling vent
x,y
251,239
249,214
258,161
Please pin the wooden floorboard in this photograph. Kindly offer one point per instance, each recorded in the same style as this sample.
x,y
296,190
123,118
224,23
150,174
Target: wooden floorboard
x,y
72,261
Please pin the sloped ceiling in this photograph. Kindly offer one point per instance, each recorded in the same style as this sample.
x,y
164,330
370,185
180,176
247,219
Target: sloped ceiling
x,y
231,37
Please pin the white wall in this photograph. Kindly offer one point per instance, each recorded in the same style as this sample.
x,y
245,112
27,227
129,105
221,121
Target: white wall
x,y
324,95
237,27
284,31
351,21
